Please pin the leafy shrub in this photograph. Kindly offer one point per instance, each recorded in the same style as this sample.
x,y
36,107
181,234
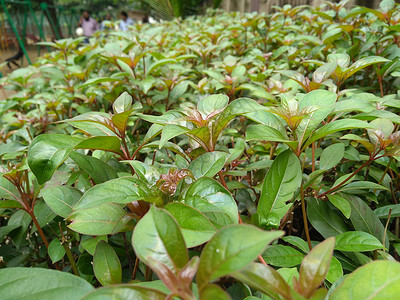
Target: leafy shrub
x,y
218,157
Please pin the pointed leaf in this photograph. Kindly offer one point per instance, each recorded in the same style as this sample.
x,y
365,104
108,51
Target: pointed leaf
x,y
315,266
195,226
106,264
47,152
223,255
265,279
208,164
157,235
357,241
376,280
280,183
61,199
40,283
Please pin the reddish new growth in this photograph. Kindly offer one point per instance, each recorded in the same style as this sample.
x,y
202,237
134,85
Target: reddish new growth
x,y
169,182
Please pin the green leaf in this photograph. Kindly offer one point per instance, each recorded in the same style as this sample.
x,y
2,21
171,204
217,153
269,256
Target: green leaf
x,y
106,264
223,255
355,187
157,236
282,256
376,280
213,200
361,64
331,156
196,227
383,212
56,250
126,292
170,131
357,241
121,190
212,103
324,102
90,243
265,279
341,204
363,219
335,126
122,103
335,271
104,219
154,66
61,199
208,164
215,292
178,90
324,219
324,72
280,183
120,121
98,170
297,242
10,204
315,266
47,152
105,143
263,132
39,284
94,81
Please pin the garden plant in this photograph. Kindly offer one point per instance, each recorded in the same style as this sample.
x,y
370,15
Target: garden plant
x,y
223,156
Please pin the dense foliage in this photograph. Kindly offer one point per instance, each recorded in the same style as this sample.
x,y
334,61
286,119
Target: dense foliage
x,y
218,157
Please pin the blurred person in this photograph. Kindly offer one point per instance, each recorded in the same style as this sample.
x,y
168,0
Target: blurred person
x,y
125,21
104,24
88,24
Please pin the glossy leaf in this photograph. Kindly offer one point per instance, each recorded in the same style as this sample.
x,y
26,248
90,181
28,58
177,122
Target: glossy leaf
x,y
357,241
42,283
56,250
98,170
208,164
265,279
280,183
222,255
213,291
106,264
315,266
122,103
126,292
331,156
157,235
47,152
282,256
61,199
213,200
121,190
376,280
363,219
196,227
323,219
340,203
100,220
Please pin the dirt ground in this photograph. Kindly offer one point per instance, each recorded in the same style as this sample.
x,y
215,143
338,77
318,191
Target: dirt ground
x,y
6,53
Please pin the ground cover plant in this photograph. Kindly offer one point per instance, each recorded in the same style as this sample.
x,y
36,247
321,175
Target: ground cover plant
x,y
223,156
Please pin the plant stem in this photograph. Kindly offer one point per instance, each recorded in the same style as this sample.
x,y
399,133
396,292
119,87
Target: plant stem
x,y
135,268
39,229
305,221
221,177
313,157
71,259
386,227
347,179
